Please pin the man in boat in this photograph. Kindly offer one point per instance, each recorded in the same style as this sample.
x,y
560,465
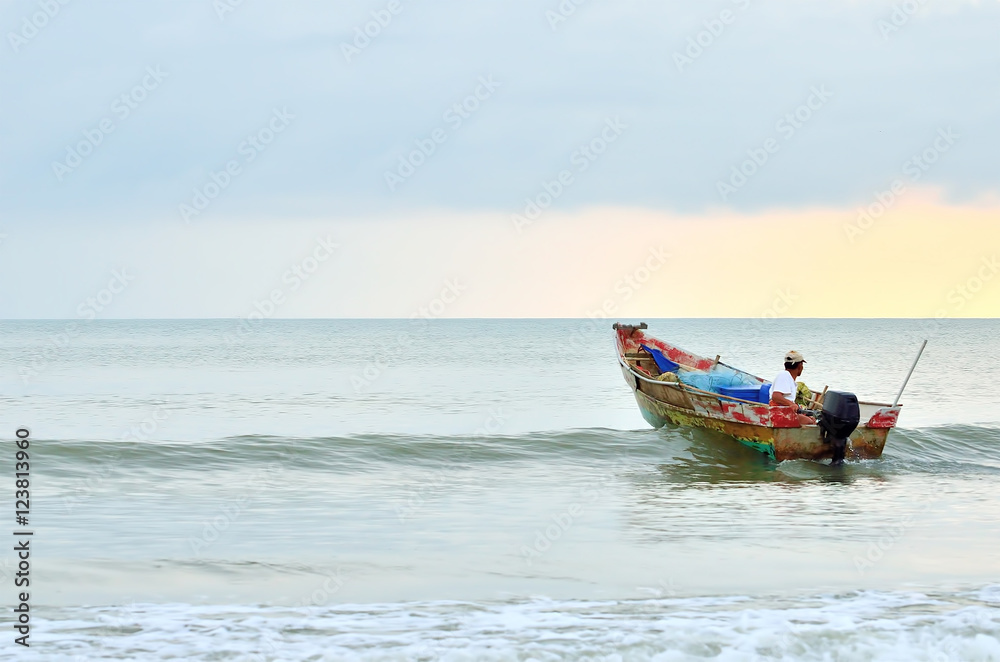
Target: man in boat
x,y
783,390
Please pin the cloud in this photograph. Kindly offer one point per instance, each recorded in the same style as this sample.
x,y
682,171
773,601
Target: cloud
x,y
560,82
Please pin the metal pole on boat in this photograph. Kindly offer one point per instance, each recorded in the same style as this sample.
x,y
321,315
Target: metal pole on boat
x,y
909,374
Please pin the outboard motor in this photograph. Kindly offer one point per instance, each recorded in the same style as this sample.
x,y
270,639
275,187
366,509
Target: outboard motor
x,y
839,418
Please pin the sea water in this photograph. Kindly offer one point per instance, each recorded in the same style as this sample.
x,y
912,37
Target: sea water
x,y
487,490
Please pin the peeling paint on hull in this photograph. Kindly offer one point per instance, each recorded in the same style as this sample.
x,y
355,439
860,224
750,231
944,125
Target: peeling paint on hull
x,y
802,443
775,431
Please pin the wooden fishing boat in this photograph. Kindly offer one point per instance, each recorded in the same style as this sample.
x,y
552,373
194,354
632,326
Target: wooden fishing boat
x,y
678,399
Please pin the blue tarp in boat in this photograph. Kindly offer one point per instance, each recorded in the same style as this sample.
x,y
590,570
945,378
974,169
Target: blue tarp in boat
x,y
713,380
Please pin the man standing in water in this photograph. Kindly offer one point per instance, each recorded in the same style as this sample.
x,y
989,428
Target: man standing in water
x,y
783,389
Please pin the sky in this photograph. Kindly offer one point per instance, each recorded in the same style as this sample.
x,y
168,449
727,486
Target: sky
x,y
391,158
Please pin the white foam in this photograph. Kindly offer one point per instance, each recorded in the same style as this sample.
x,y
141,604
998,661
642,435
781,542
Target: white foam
x,y
856,627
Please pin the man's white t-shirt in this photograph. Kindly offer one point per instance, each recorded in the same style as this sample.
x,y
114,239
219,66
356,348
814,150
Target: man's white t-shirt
x,y
784,383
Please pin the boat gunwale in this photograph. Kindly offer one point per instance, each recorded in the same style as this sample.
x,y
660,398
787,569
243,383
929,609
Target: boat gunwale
x,y
685,387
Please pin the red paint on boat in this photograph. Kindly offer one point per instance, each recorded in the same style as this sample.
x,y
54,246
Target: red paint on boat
x,y
884,418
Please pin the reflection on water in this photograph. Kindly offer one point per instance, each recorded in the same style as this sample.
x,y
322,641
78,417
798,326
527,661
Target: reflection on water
x,y
706,456
712,488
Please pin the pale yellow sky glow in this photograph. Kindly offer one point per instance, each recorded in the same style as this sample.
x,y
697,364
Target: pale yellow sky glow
x,y
921,259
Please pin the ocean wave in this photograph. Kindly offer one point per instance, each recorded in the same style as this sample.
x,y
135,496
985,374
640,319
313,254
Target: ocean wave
x,y
906,450
953,445
353,453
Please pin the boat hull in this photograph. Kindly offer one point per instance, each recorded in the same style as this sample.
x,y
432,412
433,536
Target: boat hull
x,y
802,443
